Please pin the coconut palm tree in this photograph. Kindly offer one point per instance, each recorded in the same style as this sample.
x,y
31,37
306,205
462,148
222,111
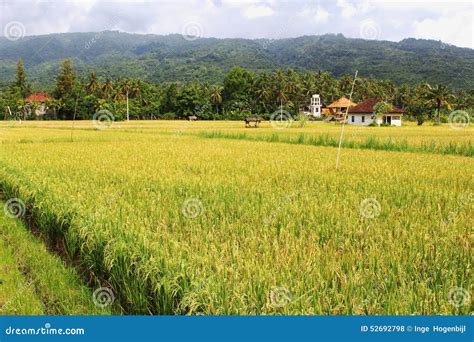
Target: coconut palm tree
x,y
93,84
128,88
439,96
107,88
215,94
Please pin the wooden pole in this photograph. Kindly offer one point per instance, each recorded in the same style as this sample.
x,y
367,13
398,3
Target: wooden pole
x,y
128,113
344,122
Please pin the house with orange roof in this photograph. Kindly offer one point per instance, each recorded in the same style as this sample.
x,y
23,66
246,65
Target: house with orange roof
x,y
38,101
339,107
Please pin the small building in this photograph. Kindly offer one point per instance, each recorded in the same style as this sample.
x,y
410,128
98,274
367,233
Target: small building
x,y
39,102
325,112
315,106
339,107
363,114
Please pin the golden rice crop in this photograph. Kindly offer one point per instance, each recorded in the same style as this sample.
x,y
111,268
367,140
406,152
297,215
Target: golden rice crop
x,y
180,224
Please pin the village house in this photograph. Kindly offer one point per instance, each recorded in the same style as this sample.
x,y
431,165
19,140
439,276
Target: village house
x,y
363,114
339,107
38,102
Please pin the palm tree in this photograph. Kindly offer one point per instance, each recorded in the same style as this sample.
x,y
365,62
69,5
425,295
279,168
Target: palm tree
x,y
93,84
215,94
440,96
263,94
262,91
308,85
128,88
107,88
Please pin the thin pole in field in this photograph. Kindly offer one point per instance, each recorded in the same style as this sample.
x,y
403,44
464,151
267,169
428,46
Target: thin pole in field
x,y
74,117
344,122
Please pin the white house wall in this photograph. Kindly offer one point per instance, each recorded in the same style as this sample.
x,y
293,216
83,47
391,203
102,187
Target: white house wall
x,y
369,120
396,122
358,119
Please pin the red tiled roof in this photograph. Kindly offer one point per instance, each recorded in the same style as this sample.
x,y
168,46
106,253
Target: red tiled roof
x,y
368,107
37,97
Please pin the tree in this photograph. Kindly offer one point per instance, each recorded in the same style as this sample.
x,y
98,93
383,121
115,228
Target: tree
x,y
21,83
107,89
128,88
439,96
93,84
66,90
190,100
381,108
215,96
237,85
65,80
169,102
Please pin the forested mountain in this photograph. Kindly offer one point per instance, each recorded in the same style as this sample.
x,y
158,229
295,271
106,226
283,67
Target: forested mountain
x,y
172,58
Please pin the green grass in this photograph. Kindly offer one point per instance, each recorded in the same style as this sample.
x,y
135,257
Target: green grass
x,y
371,142
17,295
37,281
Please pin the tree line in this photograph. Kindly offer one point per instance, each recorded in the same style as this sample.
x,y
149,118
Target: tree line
x,y
242,93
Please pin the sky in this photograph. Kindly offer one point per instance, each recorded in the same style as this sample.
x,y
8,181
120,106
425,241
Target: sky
x,y
451,22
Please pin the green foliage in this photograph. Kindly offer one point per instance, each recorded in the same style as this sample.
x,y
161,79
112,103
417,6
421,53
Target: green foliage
x,y
243,93
65,81
171,58
21,83
382,108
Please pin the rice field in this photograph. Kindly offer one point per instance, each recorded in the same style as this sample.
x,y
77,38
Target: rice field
x,y
212,218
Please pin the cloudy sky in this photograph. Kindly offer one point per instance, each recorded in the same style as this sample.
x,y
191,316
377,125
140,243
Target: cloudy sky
x,y
449,21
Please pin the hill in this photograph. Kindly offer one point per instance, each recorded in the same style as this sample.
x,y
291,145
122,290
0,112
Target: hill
x,y
172,58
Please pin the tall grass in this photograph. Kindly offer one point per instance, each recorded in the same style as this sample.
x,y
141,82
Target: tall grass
x,y
370,142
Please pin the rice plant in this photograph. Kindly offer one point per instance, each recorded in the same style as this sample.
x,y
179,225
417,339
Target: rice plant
x,y
183,224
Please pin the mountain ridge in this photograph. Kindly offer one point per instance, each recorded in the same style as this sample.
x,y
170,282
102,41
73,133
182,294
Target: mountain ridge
x,y
167,58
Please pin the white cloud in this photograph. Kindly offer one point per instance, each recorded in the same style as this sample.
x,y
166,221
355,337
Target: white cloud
x,y
257,11
318,15
454,29
349,9
449,21
321,15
